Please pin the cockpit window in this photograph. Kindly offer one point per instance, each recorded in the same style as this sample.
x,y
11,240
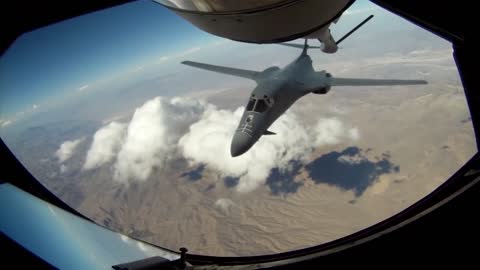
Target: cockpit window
x,y
261,106
269,101
251,104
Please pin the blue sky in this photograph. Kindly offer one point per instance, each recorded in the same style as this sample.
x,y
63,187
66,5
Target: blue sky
x,y
54,61
71,54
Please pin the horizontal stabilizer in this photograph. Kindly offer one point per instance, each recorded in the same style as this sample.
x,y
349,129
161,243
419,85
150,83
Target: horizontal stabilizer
x,y
267,132
372,82
248,74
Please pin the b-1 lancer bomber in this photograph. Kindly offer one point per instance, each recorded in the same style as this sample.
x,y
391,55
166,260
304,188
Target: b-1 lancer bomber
x,y
278,89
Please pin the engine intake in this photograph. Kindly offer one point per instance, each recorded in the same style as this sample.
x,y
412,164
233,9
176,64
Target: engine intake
x,y
322,91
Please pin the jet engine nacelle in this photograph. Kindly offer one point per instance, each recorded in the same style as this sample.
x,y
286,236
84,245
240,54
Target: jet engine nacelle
x,y
328,44
270,70
322,91
267,73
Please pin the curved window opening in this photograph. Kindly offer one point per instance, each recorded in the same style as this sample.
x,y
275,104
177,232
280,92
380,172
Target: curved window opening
x,y
137,142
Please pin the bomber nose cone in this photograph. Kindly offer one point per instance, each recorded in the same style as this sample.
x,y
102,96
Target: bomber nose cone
x,y
241,142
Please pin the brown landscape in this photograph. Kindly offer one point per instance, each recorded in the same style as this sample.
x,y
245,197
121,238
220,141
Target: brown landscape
x,y
411,139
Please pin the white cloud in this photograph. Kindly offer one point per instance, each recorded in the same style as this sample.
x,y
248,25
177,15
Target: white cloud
x,y
63,168
82,88
189,51
420,52
152,136
208,142
338,109
354,134
137,69
4,123
163,58
162,130
106,144
66,150
34,106
224,205
356,159
142,246
359,10
333,131
220,42
124,238
423,73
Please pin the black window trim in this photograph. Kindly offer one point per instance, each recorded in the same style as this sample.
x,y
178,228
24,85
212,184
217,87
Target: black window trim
x,y
465,179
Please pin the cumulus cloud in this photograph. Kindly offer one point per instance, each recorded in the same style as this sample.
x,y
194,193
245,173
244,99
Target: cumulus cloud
x,y
106,144
351,159
63,168
224,205
332,131
152,136
189,51
208,142
163,130
82,88
124,238
360,10
354,134
163,58
142,246
66,150
4,123
420,52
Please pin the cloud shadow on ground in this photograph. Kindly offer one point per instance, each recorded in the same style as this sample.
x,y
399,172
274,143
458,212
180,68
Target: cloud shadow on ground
x,y
195,174
349,169
231,182
283,181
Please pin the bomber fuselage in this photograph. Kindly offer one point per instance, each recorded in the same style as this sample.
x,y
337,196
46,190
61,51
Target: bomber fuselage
x,y
277,90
